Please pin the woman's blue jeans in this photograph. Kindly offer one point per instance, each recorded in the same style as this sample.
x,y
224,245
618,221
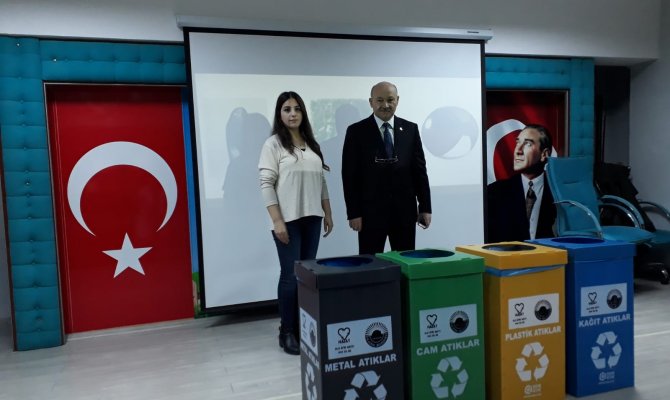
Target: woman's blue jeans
x,y
303,235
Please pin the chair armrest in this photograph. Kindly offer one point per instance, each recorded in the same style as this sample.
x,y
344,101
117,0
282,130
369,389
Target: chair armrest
x,y
627,207
599,229
656,206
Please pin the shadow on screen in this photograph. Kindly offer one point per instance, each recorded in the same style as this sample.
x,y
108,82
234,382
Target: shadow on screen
x,y
244,215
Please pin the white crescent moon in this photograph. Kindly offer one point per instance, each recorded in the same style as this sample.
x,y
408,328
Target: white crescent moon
x,y
119,153
494,134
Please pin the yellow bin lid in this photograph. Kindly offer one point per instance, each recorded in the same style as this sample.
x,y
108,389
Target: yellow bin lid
x,y
514,255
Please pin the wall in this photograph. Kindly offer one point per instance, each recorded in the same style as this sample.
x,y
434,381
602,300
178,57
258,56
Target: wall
x,y
612,31
649,133
612,90
596,28
5,306
5,309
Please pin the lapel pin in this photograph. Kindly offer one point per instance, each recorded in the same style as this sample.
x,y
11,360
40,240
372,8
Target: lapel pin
x,y
400,128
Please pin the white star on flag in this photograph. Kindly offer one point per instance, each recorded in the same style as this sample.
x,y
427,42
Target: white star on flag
x,y
127,256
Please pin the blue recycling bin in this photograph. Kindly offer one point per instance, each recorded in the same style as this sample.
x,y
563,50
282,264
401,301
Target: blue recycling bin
x,y
599,314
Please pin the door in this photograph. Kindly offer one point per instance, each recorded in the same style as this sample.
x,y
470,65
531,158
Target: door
x,y
119,182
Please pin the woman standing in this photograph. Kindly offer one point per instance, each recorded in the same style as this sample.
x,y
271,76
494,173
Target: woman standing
x,y
294,190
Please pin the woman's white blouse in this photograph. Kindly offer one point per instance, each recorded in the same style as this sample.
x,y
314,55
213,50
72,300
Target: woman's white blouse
x,y
295,182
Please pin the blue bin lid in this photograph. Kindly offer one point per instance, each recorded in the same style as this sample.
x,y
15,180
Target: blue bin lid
x,y
348,271
585,248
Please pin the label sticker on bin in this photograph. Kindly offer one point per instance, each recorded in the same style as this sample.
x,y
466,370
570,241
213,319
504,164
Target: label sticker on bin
x,y
525,312
604,299
448,323
364,336
308,331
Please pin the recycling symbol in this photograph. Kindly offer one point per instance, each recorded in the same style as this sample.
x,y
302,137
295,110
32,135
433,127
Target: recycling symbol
x,y
310,387
535,349
365,381
441,390
597,355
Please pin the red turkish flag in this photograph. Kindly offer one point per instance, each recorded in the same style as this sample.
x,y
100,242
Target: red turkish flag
x,y
547,108
117,158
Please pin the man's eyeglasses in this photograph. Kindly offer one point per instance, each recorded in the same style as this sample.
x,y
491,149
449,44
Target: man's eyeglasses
x,y
392,160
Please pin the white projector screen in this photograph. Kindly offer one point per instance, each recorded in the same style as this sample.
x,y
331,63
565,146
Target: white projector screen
x,y
236,78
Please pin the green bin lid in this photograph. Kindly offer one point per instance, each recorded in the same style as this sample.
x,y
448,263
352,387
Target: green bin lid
x,y
434,263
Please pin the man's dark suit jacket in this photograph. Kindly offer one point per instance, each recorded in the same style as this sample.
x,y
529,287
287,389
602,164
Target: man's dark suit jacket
x,y
384,194
507,211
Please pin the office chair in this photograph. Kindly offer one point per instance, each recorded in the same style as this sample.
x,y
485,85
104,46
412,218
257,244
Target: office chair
x,y
614,179
578,208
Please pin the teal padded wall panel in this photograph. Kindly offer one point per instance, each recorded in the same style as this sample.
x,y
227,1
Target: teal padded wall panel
x,y
30,228
25,64
75,61
574,75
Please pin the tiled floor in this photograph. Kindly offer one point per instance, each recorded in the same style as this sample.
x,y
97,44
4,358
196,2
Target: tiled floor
x,y
237,358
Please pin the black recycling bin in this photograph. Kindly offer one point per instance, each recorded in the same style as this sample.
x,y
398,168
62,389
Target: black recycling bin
x,y
350,328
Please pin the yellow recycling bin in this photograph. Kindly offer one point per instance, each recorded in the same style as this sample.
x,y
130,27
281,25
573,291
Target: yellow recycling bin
x,y
524,313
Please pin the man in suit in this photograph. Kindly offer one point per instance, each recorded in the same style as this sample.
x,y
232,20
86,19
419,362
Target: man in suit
x,y
384,176
522,207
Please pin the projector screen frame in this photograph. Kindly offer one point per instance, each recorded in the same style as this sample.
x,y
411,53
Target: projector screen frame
x,y
187,30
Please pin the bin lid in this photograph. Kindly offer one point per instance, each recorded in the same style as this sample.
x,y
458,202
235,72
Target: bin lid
x,y
584,248
434,263
514,255
336,272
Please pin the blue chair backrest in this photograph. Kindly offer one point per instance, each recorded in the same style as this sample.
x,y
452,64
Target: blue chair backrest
x,y
571,178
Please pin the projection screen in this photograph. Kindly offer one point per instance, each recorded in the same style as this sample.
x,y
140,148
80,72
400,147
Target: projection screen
x,y
235,80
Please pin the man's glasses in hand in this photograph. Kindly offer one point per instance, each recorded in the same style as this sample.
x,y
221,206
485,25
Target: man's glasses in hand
x,y
391,160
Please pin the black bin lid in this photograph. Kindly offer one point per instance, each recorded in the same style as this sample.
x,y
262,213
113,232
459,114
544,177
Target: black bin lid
x,y
348,271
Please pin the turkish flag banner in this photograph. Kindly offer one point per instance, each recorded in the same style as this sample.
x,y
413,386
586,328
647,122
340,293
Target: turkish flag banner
x,y
508,111
118,167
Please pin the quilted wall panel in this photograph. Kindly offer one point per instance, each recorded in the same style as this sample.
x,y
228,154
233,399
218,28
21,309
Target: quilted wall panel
x,y
25,64
574,75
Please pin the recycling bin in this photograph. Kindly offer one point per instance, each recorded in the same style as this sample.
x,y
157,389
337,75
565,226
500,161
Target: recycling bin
x,y
350,328
524,314
443,323
599,314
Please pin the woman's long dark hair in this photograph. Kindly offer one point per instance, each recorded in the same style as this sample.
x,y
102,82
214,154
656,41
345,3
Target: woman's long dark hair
x,y
305,128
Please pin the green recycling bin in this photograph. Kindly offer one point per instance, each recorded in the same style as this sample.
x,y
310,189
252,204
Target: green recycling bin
x,y
443,323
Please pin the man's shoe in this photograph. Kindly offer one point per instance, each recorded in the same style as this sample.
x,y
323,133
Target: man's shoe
x,y
288,342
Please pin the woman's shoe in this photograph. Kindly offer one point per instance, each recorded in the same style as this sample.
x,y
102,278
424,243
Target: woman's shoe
x,y
288,342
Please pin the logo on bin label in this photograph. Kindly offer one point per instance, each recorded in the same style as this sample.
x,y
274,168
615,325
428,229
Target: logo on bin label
x,y
344,335
449,365
462,322
525,312
308,333
366,385
607,351
459,321
310,385
542,310
532,354
376,334
353,338
614,298
603,300
518,308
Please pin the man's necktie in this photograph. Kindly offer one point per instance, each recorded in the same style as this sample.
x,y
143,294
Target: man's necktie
x,y
530,199
388,140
